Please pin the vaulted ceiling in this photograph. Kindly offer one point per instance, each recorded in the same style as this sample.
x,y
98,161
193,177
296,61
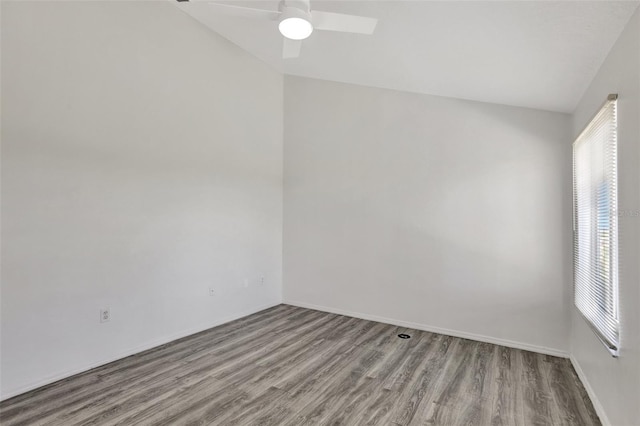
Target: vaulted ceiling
x,y
537,54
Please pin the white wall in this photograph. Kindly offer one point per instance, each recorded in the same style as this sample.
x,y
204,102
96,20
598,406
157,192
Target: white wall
x,y
141,164
615,382
442,213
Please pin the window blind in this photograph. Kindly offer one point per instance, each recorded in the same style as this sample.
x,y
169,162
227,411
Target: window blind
x,y
596,225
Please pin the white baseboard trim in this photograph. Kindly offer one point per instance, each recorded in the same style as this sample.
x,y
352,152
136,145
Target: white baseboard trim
x,y
432,329
149,345
592,395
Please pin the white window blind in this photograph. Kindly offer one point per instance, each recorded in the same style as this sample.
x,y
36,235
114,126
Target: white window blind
x,y
596,224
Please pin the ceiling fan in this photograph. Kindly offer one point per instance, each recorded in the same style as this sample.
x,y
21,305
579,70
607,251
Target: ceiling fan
x,y
296,21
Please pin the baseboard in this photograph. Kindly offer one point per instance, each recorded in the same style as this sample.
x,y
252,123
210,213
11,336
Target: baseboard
x,y
592,395
424,327
149,345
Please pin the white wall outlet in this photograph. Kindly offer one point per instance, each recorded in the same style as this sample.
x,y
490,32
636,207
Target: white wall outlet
x,y
212,291
105,315
261,281
246,283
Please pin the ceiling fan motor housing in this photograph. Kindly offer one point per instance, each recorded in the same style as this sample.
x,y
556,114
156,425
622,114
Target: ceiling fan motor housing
x,y
293,12
294,9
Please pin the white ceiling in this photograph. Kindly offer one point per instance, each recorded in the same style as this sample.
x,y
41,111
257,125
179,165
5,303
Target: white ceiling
x,y
537,54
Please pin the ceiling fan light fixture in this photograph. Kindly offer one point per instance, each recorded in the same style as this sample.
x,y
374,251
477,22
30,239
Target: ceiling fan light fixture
x,y
295,28
297,22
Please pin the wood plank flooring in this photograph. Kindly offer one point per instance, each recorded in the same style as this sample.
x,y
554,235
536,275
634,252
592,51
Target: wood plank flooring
x,y
294,366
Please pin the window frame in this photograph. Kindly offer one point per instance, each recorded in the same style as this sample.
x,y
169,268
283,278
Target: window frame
x,y
608,314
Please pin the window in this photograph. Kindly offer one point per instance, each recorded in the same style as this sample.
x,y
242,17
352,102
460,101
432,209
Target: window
x,y
596,224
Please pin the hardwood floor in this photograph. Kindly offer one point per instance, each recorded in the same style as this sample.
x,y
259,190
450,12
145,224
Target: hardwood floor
x,y
294,366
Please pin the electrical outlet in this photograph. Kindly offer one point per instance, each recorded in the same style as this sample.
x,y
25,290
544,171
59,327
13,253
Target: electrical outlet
x,y
261,282
105,315
212,291
246,283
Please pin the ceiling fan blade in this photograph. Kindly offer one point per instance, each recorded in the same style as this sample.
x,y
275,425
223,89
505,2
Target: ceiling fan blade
x,y
330,21
291,48
245,12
